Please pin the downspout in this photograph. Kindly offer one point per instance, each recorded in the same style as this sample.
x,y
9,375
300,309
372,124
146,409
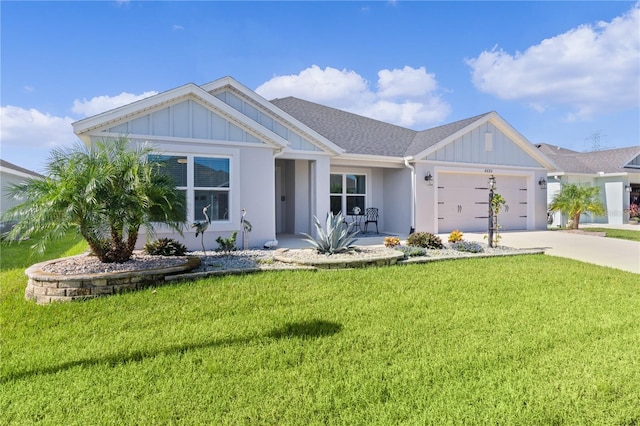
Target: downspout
x,y
413,194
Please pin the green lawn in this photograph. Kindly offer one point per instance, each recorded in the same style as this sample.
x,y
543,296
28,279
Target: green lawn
x,y
516,340
623,234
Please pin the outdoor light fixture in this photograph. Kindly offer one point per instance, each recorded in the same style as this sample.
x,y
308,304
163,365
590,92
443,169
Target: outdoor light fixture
x,y
428,178
627,188
543,183
492,183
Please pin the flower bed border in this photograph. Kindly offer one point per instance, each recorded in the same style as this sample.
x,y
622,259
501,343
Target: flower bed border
x,y
46,287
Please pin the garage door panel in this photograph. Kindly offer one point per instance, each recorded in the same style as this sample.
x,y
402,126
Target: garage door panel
x,y
513,216
463,202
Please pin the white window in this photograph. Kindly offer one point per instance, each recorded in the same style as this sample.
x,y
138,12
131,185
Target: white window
x,y
205,181
348,191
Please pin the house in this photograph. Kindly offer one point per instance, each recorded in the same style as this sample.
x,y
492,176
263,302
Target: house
x,y
10,174
615,171
288,160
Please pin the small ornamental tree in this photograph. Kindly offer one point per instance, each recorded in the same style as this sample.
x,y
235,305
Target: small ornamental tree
x,y
573,200
106,193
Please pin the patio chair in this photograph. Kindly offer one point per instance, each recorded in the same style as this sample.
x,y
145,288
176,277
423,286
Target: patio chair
x,y
371,216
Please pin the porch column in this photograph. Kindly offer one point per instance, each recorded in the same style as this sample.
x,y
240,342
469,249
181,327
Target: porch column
x,y
320,173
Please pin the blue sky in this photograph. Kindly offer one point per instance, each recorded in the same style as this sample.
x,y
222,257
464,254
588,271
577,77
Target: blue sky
x,y
565,73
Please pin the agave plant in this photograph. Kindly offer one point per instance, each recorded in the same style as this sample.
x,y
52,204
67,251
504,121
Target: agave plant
x,y
335,237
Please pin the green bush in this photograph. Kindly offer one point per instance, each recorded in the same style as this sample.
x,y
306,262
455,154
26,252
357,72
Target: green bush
x,y
411,251
425,240
227,245
468,246
165,247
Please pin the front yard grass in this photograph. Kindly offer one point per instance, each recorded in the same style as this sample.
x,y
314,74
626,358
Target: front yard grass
x,y
623,234
516,340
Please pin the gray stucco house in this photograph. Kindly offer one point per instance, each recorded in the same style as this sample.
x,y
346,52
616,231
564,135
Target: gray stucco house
x,y
288,160
615,171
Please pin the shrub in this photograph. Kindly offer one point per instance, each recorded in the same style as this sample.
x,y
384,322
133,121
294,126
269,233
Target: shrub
x,y
165,247
425,240
335,237
411,251
227,245
455,236
107,193
468,246
391,242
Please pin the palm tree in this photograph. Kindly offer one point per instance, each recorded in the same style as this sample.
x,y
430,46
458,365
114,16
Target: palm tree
x,y
573,200
106,193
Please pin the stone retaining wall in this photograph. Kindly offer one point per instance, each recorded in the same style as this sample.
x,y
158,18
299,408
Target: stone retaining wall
x,y
45,287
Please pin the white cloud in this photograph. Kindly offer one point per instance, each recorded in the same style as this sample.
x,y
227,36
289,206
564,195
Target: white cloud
x,y
590,69
99,104
406,97
407,82
29,132
324,86
30,128
177,27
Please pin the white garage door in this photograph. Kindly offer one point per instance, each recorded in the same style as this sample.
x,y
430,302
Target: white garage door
x,y
463,201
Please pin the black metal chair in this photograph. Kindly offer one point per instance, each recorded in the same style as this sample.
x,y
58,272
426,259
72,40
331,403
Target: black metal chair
x,y
371,216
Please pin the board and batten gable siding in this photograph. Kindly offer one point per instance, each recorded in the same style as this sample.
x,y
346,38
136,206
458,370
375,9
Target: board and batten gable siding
x,y
485,144
186,119
296,141
635,163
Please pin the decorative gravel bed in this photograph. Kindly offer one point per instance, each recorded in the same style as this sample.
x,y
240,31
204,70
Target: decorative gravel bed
x,y
252,260
86,264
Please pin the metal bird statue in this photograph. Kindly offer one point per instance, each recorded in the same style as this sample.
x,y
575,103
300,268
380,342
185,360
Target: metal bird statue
x,y
201,226
247,227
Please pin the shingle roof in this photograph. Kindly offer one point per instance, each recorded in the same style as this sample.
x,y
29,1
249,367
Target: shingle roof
x,y
361,135
354,133
607,161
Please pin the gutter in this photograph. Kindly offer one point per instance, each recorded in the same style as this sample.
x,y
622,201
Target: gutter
x,y
278,153
413,193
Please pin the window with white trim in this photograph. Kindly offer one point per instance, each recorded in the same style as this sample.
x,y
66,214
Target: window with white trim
x,y
205,181
347,191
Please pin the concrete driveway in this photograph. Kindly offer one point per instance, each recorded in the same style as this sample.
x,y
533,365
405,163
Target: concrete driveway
x,y
612,252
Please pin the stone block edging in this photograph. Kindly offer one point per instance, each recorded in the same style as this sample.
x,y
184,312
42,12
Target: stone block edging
x,y
46,287
391,257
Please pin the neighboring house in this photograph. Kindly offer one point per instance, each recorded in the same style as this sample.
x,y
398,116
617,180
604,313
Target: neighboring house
x,y
11,174
288,160
615,171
